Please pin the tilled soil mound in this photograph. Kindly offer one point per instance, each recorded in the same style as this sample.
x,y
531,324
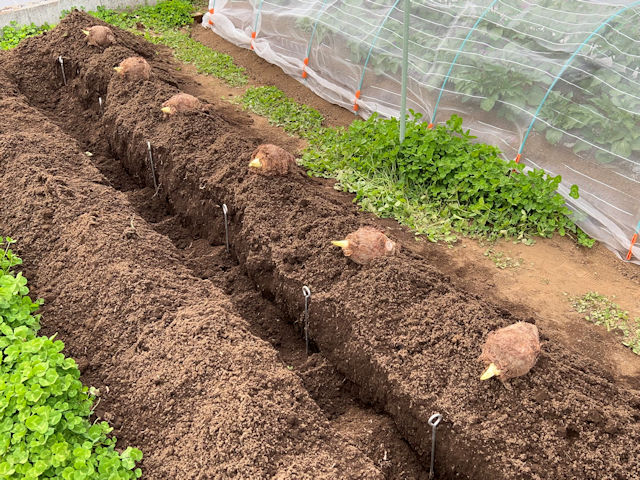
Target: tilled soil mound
x,y
397,328
185,379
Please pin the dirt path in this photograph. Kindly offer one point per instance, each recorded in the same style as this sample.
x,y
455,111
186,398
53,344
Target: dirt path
x,y
551,271
400,330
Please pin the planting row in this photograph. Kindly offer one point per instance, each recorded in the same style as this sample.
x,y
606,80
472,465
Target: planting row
x,y
396,327
179,373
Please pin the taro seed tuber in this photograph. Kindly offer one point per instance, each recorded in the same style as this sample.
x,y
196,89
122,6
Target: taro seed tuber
x,y
365,244
179,103
270,159
510,351
134,69
100,36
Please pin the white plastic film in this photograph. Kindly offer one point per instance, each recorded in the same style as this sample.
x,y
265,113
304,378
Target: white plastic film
x,y
553,83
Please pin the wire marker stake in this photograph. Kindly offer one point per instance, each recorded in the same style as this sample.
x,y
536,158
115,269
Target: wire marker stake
x,y
307,300
153,168
434,421
64,76
225,210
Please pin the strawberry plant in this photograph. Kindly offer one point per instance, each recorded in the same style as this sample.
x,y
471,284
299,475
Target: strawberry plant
x,y
45,430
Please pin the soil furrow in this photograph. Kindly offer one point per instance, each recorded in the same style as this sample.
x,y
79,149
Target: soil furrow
x,y
373,433
398,329
181,375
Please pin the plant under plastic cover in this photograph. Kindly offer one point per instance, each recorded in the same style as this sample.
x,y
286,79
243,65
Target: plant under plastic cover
x,y
553,83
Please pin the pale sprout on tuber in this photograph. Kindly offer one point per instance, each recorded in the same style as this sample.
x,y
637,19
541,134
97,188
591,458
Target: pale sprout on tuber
x,y
134,69
180,103
99,36
366,244
270,159
510,351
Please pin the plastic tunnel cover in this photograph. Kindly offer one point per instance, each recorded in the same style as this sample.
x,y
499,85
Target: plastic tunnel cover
x,y
555,80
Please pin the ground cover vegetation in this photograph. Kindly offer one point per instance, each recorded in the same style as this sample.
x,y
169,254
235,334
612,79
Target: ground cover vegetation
x,y
11,35
602,311
280,110
439,183
45,425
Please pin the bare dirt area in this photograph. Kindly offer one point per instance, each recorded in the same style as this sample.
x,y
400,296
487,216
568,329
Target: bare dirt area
x,y
550,272
174,326
180,372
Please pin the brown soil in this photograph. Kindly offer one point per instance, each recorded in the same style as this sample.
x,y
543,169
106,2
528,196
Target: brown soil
x,y
174,438
404,334
551,272
180,373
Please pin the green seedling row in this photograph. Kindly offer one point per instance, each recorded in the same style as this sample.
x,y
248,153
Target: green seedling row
x,y
439,182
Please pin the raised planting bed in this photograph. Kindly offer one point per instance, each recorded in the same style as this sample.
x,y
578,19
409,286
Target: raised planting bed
x,y
180,374
398,328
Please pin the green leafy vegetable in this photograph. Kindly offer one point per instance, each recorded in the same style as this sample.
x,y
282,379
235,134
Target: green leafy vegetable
x,y
11,34
272,103
45,430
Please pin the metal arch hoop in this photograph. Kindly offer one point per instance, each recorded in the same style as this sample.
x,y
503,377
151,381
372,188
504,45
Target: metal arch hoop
x,y
566,65
373,44
455,59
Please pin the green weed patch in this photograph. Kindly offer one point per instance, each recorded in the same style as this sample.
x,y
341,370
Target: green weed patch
x,y
11,35
45,428
162,16
206,61
281,111
602,311
439,183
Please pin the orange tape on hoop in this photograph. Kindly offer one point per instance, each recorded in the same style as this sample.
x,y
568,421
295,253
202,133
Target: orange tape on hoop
x,y
356,107
253,37
305,62
210,13
634,239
